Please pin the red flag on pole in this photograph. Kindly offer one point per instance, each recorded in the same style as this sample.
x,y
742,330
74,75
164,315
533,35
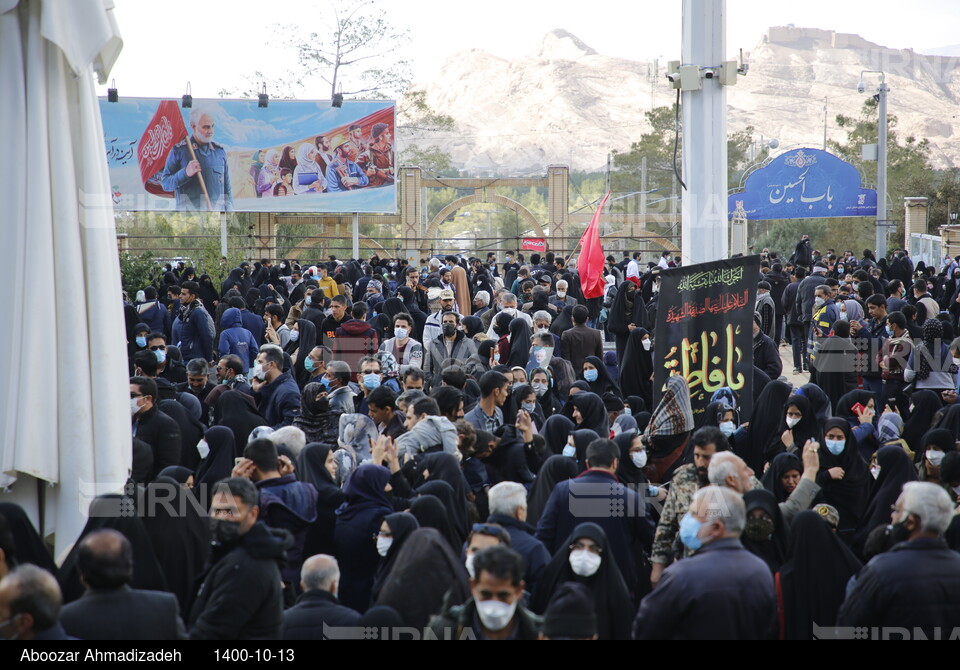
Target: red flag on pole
x,y
590,265
165,129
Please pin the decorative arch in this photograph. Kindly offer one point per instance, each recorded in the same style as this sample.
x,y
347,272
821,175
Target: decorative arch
x,y
492,198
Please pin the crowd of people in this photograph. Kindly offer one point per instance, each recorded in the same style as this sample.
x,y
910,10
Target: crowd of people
x,y
470,448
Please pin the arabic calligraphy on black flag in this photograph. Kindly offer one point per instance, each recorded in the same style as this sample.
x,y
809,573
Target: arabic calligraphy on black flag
x,y
704,330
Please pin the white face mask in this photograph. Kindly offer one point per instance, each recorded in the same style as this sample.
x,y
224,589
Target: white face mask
x,y
792,422
727,428
584,563
647,344
469,564
134,406
561,294
569,451
875,470
401,333
383,544
495,615
509,310
956,361
294,335
639,458
257,372
203,448
935,457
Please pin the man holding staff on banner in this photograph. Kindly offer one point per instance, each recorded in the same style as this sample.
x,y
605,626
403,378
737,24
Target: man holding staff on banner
x,y
196,169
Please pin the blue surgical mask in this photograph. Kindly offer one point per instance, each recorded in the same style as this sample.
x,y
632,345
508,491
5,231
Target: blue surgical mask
x,y
569,451
591,375
689,530
325,382
528,407
835,447
889,331
141,342
309,365
628,410
371,381
307,301
161,356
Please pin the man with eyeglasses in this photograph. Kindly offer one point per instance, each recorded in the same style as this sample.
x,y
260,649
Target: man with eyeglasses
x,y
172,370
152,426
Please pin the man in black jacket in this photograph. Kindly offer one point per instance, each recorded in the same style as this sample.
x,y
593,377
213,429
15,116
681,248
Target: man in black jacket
x,y
766,356
916,585
318,606
152,426
240,597
110,609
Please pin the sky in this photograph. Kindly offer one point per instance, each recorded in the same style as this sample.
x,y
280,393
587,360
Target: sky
x,y
212,44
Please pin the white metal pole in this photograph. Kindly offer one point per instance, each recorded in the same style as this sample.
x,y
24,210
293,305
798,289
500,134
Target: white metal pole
x,y
356,235
705,235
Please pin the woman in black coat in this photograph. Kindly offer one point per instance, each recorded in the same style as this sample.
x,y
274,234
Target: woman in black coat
x,y
393,534
844,477
603,383
316,465
636,366
627,310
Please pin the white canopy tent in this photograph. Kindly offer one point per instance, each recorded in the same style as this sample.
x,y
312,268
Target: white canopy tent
x,y
63,387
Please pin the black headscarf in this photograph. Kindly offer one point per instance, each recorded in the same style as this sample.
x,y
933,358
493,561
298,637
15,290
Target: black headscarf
x,y
472,325
814,577
637,404
555,431
614,607
949,419
604,383
235,411
926,404
317,421
563,322
582,440
636,368
311,470
178,473
454,506
819,401
780,465
27,542
191,432
401,525
307,341
773,551
519,343
106,512
593,412
430,514
896,469
844,407
768,414
806,429
208,292
850,494
219,462
426,570
554,470
446,468
627,472
624,312
180,533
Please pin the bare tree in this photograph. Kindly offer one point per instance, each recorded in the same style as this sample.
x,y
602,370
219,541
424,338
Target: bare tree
x,y
354,54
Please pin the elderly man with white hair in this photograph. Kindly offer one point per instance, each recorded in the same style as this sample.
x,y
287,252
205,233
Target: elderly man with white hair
x,y
722,592
318,605
562,298
481,303
508,508
915,586
728,469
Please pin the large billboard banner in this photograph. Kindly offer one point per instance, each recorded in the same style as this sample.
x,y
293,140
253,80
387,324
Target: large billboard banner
x,y
292,156
705,330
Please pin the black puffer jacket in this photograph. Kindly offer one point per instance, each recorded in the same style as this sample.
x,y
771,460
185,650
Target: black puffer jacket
x,y
240,597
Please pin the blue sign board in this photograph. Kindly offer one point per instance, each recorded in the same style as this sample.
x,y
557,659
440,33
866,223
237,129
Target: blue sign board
x,y
803,184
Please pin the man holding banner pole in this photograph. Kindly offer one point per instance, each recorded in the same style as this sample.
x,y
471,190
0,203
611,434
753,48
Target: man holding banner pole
x,y
196,169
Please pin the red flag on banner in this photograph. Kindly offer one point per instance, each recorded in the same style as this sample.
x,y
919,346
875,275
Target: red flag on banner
x,y
164,130
590,265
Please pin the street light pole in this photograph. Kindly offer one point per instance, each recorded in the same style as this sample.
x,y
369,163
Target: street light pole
x,y
882,211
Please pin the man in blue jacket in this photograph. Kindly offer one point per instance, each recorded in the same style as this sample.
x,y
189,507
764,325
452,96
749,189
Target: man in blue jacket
x,y
276,393
237,340
722,592
916,585
508,508
597,496
192,329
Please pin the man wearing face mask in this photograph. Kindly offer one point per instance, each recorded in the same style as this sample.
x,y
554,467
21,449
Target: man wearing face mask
x,y
370,377
167,368
152,426
508,305
721,592
30,602
230,371
453,343
916,584
494,612
240,597
824,314
276,393
562,298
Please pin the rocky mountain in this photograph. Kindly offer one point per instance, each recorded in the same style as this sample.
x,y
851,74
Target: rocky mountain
x,y
567,103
